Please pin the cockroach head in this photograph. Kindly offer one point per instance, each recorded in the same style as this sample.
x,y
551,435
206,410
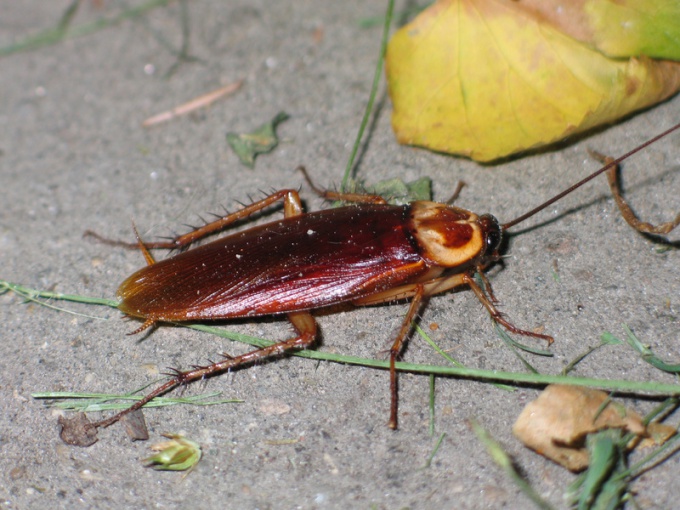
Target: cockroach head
x,y
450,237
493,236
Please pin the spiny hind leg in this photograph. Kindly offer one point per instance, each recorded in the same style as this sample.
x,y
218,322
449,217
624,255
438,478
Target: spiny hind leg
x,y
306,329
292,206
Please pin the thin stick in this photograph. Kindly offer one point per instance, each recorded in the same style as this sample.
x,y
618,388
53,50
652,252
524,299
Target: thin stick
x,y
194,104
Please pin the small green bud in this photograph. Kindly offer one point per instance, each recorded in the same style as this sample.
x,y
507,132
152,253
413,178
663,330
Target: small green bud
x,y
178,454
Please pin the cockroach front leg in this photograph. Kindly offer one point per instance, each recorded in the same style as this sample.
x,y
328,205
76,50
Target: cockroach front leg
x,y
416,292
292,206
444,283
304,324
469,280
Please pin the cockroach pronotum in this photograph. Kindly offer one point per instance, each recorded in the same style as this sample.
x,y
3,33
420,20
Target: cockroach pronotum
x,y
365,253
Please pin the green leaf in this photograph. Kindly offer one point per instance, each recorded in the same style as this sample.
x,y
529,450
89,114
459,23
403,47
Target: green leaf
x,y
260,141
396,191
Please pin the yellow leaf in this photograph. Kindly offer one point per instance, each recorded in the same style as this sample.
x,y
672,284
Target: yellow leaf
x,y
486,79
636,27
617,28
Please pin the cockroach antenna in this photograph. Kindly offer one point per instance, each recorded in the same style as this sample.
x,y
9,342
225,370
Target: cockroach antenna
x,y
610,164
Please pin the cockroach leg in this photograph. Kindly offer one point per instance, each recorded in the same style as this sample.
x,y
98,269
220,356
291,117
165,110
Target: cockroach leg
x,y
496,314
487,285
110,242
430,288
442,284
292,206
142,247
456,192
387,296
416,292
304,324
435,286
336,195
626,211
395,350
147,324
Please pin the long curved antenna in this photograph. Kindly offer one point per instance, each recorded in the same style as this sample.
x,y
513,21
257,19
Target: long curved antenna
x,y
606,167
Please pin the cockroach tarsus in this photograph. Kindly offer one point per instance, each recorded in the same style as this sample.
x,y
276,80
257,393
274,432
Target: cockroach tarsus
x,y
367,253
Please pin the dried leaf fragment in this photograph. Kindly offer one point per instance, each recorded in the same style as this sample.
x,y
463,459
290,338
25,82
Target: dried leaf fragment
x,y
77,431
557,423
135,425
658,434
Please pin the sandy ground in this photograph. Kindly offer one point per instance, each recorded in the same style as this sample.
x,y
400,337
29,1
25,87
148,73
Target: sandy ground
x,y
308,435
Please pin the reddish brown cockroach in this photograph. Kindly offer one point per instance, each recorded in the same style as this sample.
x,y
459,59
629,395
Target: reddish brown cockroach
x,y
366,253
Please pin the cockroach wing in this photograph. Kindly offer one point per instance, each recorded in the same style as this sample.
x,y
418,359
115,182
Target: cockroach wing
x,y
297,263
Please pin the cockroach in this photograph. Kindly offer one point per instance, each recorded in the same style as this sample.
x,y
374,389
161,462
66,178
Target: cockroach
x,y
365,253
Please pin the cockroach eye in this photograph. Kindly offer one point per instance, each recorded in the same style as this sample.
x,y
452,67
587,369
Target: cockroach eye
x,y
492,234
